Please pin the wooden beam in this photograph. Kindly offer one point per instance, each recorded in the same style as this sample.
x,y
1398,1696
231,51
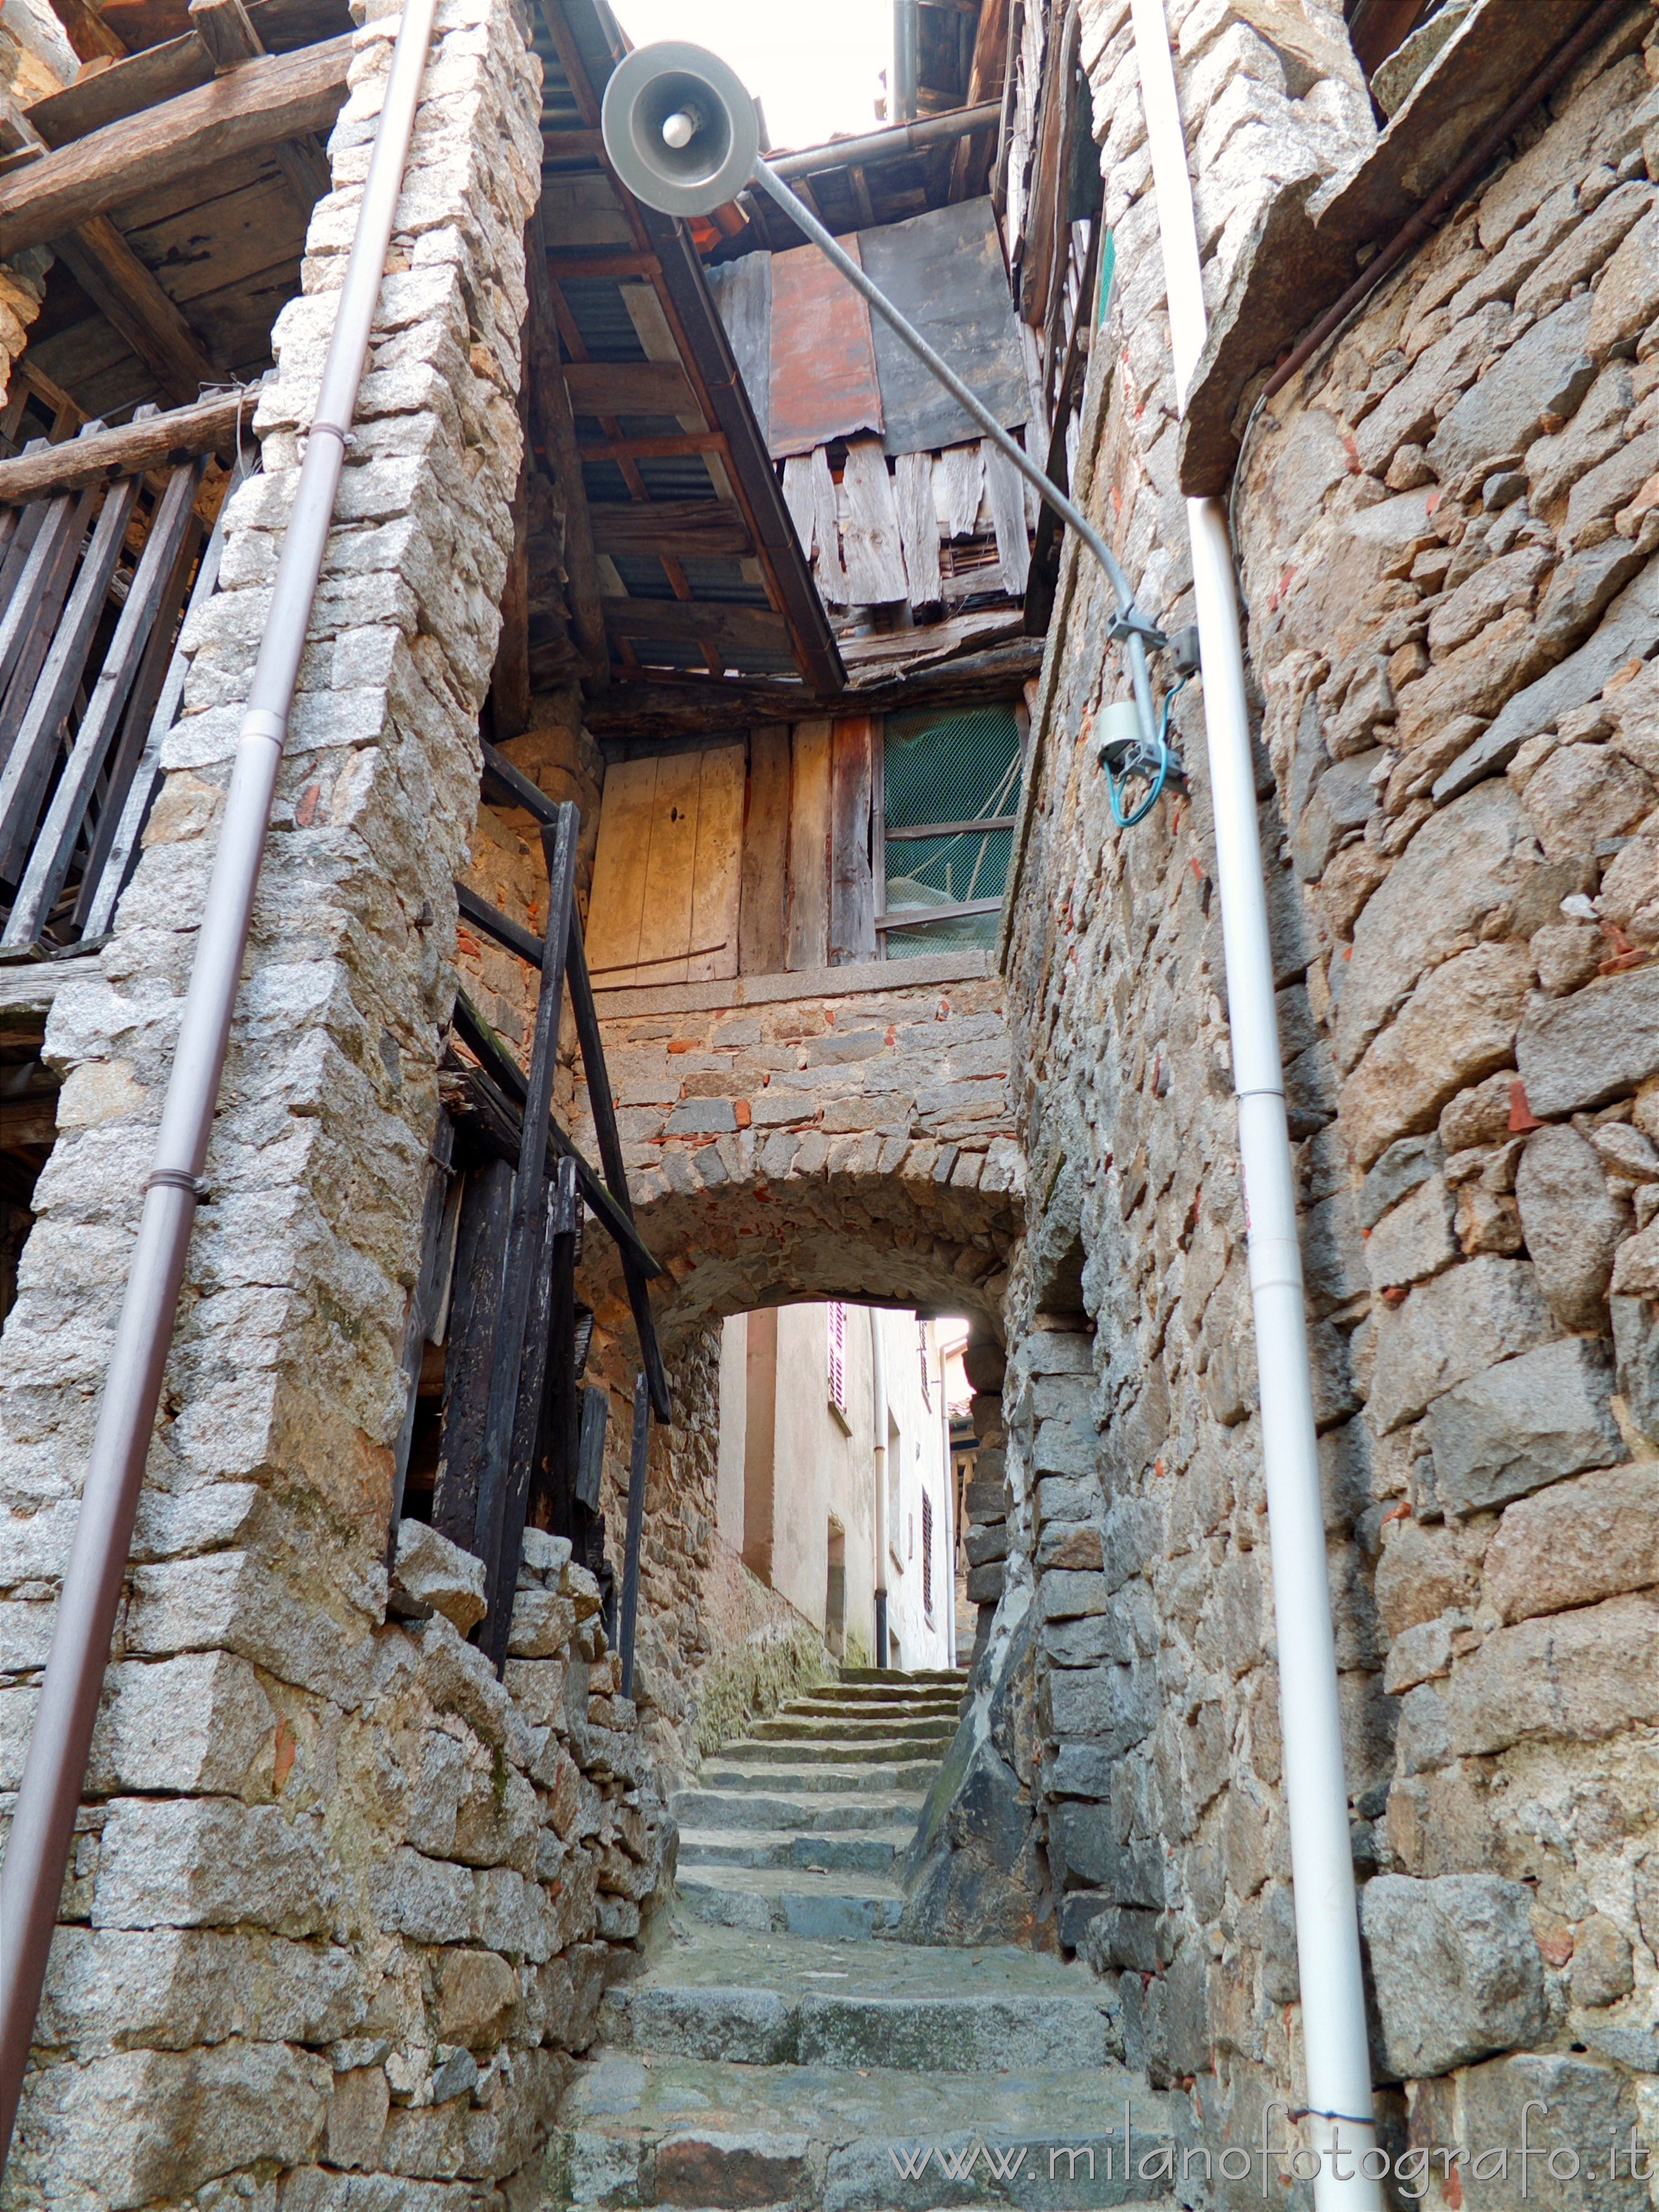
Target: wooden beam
x,y
738,629
100,457
572,145
706,529
246,110
629,387
227,30
87,31
130,298
606,261
177,66
668,447
551,415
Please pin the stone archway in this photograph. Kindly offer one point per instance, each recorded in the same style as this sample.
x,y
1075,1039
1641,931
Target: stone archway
x,y
855,1144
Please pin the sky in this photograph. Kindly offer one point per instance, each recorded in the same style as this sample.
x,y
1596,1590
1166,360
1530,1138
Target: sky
x,y
817,71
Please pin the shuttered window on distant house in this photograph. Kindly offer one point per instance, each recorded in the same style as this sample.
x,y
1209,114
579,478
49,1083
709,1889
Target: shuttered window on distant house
x,y
928,1555
949,793
837,1378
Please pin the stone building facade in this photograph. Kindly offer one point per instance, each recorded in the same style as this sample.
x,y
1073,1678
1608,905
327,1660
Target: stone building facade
x,y
329,1944
1446,534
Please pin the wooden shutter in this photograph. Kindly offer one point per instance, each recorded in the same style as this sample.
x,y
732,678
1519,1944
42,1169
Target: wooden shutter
x,y
838,1383
667,874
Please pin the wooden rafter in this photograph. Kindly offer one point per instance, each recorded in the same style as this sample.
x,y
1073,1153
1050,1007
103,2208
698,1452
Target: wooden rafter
x,y
250,107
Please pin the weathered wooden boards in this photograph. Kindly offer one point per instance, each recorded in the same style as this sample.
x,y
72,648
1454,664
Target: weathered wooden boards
x,y
279,96
667,874
683,860
875,539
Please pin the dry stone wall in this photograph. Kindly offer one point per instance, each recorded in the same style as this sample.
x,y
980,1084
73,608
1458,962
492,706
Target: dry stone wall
x,y
340,1899
1447,536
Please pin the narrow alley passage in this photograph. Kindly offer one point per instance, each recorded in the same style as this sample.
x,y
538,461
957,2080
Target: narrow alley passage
x,y
777,2052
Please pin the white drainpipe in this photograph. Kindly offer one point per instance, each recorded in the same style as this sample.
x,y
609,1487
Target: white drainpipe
x,y
878,1460
1339,2092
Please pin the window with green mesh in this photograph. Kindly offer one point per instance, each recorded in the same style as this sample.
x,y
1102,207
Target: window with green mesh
x,y
951,784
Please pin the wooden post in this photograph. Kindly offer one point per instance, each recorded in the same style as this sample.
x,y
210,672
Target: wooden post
x,y
549,1327
417,1329
486,1210
528,1214
630,1593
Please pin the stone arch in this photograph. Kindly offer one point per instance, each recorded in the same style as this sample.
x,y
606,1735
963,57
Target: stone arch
x,y
855,1142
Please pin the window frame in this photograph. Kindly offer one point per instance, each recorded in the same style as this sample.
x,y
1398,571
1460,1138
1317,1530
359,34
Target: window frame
x,y
885,926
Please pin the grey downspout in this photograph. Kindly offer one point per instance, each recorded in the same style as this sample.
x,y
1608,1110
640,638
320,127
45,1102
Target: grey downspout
x,y
43,1827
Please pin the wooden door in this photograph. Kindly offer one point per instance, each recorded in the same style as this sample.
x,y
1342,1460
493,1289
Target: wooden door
x,y
668,876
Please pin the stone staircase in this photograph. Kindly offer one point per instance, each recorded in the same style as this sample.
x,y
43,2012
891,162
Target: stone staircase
x,y
800,1829
783,2053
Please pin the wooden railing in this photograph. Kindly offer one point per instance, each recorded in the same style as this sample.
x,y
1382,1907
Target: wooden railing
x,y
100,548
519,1440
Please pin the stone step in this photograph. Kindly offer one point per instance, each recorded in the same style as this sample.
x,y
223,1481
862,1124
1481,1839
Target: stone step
x,y
860,1851
956,1676
869,1709
760,1751
738,1769
825,1908
895,1810
837,1728
856,1694
686,2132
973,2034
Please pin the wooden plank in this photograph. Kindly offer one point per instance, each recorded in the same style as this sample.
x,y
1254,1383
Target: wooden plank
x,y
809,491
161,72
583,209
919,917
423,1317
536,1439
739,630
707,529
528,1223
763,916
662,445
86,30
562,267
227,30
823,382
54,844
551,409
871,543
124,291
629,387
717,881
603,1109
257,104
665,938
35,748
571,146
809,845
105,879
918,526
590,1451
1006,489
852,889
480,1260
615,906
962,480
944,270
132,748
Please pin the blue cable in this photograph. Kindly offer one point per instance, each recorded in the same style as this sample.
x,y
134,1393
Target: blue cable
x,y
1129,821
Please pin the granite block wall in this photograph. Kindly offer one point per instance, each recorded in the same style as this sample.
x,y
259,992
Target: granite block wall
x,y
1447,533
340,1901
